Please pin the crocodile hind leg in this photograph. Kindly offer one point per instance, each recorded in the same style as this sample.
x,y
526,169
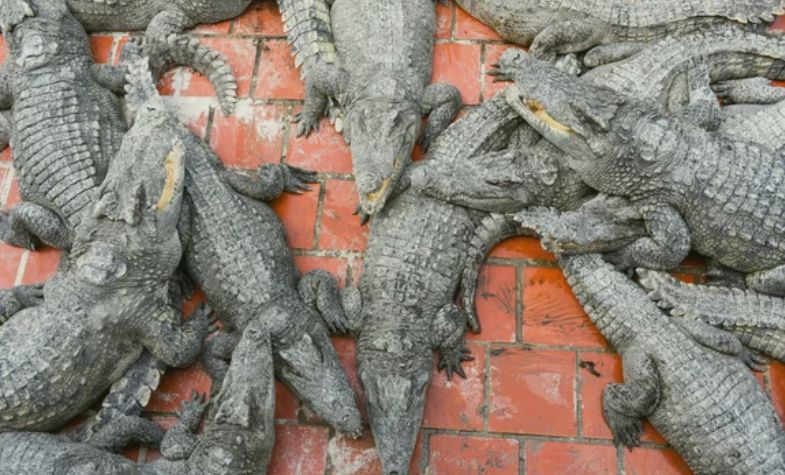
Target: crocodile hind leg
x,y
757,90
447,330
771,281
319,290
441,102
272,180
172,342
720,341
564,37
125,429
604,54
18,298
703,108
27,224
624,405
180,440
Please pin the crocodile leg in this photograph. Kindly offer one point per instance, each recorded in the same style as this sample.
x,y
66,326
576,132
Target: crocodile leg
x,y
447,331
28,223
703,108
771,281
170,341
604,54
18,298
441,102
564,37
271,181
320,290
5,129
667,245
718,340
625,405
323,81
125,429
352,301
758,90
180,440
216,355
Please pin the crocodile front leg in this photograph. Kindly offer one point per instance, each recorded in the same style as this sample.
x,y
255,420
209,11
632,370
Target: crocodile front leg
x,y
272,180
216,355
757,90
771,281
28,224
322,82
18,298
605,54
721,341
125,429
666,246
447,330
180,441
173,343
565,37
441,102
625,405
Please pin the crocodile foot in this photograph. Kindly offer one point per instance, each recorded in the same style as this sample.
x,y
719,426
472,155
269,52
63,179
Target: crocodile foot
x,y
451,361
306,124
296,180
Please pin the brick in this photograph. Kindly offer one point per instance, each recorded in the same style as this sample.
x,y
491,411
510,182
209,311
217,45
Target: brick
x,y
459,65
253,135
185,82
191,111
3,50
220,28
176,386
462,455
609,367
654,462
324,150
101,46
6,176
547,458
337,266
469,28
496,300
286,403
262,19
551,314
299,450
298,215
340,228
521,248
348,456
532,392
444,20
277,76
458,404
9,263
777,381
14,195
346,349
779,23
41,265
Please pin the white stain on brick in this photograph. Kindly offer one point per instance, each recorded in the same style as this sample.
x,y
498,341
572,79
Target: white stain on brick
x,y
346,462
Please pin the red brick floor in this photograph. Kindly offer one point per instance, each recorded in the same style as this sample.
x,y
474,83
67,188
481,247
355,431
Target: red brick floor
x,y
531,403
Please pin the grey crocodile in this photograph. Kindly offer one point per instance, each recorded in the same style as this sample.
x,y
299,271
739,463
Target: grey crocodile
x,y
163,23
110,304
619,27
375,59
719,195
237,440
234,247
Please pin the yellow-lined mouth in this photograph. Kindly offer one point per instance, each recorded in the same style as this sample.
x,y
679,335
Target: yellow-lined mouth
x,y
378,194
174,168
539,112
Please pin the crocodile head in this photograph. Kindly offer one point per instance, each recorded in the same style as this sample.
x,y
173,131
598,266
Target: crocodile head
x,y
309,366
240,433
394,368
382,136
132,229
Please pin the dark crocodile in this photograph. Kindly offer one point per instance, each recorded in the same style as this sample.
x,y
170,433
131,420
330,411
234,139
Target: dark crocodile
x,y
375,59
110,304
620,27
235,249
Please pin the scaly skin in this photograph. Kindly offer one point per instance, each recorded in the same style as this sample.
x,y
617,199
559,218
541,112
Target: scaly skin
x,y
109,305
569,26
66,125
705,403
235,249
375,58
720,195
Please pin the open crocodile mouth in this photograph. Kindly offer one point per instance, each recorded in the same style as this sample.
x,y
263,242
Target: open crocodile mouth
x,y
380,193
539,112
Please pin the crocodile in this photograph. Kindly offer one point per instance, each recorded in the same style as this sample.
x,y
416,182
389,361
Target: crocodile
x,y
234,248
374,59
615,28
163,23
111,302
683,377
719,195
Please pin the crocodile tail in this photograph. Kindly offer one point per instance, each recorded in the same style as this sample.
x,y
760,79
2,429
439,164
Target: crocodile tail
x,y
308,27
493,229
180,50
128,396
720,306
139,85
